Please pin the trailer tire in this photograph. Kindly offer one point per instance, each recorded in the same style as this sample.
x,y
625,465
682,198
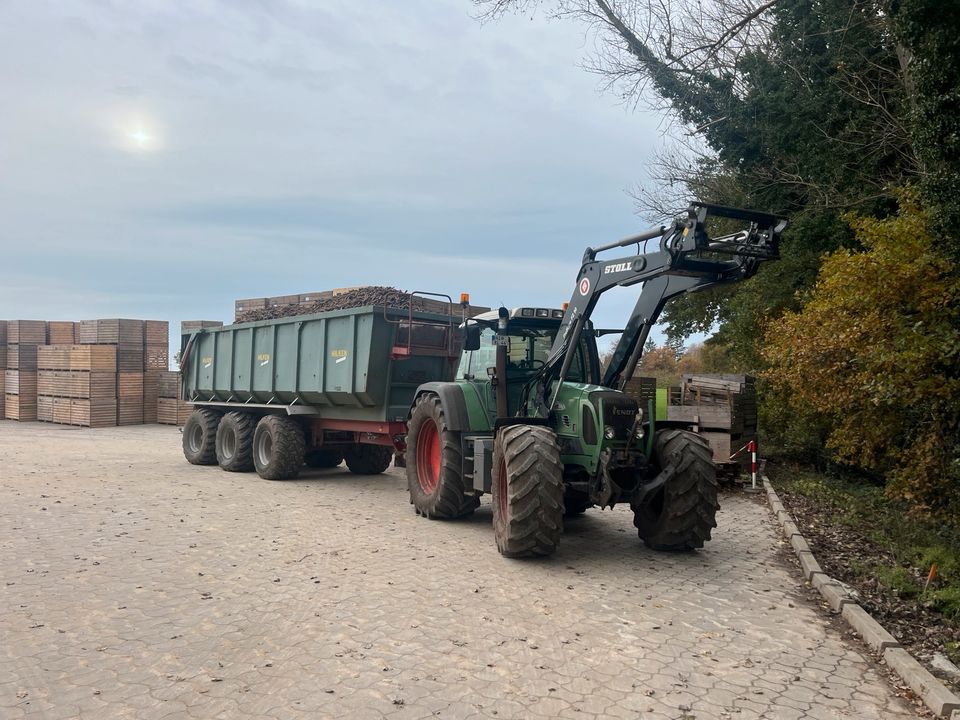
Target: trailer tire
x,y
200,437
527,491
682,513
434,461
368,459
278,448
323,458
574,506
234,442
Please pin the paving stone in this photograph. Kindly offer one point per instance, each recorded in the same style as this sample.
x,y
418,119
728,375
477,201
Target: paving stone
x,y
377,612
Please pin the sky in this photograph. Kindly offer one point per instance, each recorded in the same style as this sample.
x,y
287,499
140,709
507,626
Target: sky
x,y
160,159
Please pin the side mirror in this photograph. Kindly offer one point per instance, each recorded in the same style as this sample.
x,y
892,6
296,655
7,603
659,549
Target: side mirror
x,y
471,337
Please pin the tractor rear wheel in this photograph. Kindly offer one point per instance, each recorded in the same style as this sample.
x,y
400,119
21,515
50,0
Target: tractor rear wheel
x,y
434,461
680,515
278,447
324,458
368,459
527,491
235,441
200,437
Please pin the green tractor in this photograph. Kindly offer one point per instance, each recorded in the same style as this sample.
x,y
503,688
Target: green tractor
x,y
532,418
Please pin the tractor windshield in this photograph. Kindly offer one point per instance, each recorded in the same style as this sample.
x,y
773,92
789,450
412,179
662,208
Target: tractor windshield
x,y
528,351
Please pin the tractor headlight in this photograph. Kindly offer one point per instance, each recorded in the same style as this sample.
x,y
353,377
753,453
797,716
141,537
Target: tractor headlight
x,y
639,432
609,433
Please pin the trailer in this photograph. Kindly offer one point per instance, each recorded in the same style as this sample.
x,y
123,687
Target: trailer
x,y
316,389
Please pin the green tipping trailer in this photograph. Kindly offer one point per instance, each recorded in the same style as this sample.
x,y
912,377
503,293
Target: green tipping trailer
x,y
322,388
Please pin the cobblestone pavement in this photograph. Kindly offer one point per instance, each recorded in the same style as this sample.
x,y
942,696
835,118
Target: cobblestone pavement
x,y
135,585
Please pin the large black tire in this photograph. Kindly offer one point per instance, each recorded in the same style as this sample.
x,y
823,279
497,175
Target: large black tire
x,y
278,448
682,513
434,461
368,459
329,458
200,437
527,491
235,441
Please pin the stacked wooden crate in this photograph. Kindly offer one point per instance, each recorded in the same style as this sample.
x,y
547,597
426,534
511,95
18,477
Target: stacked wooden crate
x,y
171,410
23,337
77,385
63,332
126,337
722,408
3,366
644,391
156,360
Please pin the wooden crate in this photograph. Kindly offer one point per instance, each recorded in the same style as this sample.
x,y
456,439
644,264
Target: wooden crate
x,y
3,357
642,389
62,411
116,331
709,417
20,407
169,384
130,358
22,357
246,305
311,298
53,357
88,332
20,382
44,408
156,357
130,410
189,326
93,413
3,391
60,332
726,444
156,332
95,385
93,357
3,334
130,385
171,411
26,332
151,392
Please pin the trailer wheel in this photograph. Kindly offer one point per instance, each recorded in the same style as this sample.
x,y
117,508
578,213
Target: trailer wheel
x,y
324,458
576,505
278,448
234,444
200,437
681,514
434,460
368,459
527,491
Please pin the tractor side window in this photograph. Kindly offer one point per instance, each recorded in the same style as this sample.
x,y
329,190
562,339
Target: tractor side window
x,y
474,364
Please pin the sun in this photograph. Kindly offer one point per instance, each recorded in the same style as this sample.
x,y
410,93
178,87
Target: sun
x,y
140,137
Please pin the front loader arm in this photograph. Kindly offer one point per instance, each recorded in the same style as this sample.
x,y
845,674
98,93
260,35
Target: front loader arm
x,y
679,266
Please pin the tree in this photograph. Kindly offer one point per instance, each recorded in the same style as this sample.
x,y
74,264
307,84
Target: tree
x,y
875,354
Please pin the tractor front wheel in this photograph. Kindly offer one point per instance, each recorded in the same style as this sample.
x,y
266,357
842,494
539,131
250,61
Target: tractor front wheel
x,y
434,461
527,491
680,515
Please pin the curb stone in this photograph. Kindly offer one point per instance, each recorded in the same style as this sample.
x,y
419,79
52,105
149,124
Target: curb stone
x,y
934,694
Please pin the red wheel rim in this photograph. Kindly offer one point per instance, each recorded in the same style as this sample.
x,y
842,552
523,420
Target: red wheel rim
x,y
428,456
502,490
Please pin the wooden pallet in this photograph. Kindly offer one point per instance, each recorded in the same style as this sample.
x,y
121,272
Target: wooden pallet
x,y
171,411
61,332
156,332
26,332
22,357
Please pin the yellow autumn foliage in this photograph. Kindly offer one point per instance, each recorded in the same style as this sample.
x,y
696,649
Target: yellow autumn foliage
x,y
874,355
